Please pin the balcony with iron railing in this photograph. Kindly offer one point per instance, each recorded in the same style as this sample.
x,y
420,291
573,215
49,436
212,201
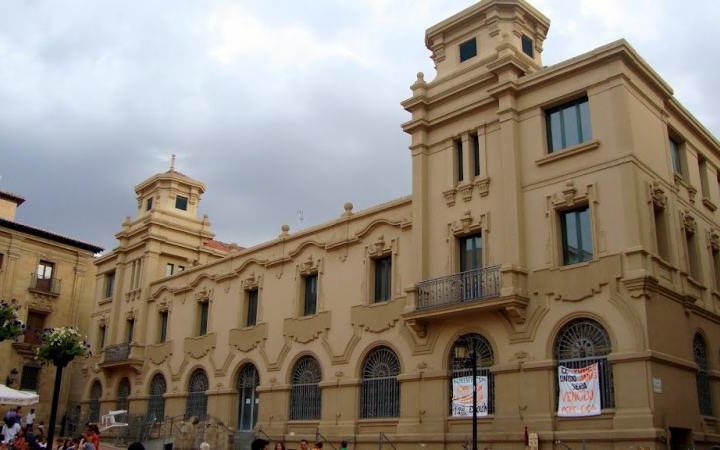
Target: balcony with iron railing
x,y
45,286
472,291
122,355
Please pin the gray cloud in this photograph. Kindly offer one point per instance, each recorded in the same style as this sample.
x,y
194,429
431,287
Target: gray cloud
x,y
276,106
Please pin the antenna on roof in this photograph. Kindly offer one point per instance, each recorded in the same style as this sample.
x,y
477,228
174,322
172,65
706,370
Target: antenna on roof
x,y
172,163
300,216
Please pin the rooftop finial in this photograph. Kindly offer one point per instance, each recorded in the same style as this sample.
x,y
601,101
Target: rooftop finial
x,y
172,163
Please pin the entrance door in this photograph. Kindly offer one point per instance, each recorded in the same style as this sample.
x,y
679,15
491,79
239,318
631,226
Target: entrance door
x,y
680,438
248,400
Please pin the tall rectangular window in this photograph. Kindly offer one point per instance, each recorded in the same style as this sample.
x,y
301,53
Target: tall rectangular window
x,y
101,337
470,252
459,159
109,284
661,233
34,327
703,169
30,378
383,270
181,202
527,46
169,269
676,155
44,276
2,259
252,306
310,295
568,124
136,270
204,311
130,330
716,267
163,326
576,235
148,204
476,154
468,49
693,257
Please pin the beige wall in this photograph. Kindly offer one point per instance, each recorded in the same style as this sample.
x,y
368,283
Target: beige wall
x,y
71,306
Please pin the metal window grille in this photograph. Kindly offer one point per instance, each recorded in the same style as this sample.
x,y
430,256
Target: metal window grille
x,y
305,395
197,400
584,342
156,401
247,383
380,389
485,359
94,406
702,379
122,398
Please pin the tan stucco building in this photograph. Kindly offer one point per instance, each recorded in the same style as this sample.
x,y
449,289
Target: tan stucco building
x,y
51,277
559,216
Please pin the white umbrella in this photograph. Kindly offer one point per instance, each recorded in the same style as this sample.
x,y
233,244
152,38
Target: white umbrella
x,y
9,396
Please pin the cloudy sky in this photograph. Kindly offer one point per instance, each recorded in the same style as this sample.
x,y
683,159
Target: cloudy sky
x,y
277,105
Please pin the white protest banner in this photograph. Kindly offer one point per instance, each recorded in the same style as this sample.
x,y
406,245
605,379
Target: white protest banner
x,y
462,399
579,391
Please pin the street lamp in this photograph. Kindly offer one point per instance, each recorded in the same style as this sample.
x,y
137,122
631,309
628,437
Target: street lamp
x,y
465,354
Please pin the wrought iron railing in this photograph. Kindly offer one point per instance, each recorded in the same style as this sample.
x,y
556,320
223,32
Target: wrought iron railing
x,y
383,439
119,352
461,287
47,285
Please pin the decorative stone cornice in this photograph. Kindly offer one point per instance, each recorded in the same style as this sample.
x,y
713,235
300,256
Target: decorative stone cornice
x,y
308,328
466,190
468,224
483,186
246,339
714,238
378,317
252,282
199,346
310,266
449,196
158,353
380,247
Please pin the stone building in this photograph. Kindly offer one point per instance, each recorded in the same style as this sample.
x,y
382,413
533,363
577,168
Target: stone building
x,y
560,218
51,277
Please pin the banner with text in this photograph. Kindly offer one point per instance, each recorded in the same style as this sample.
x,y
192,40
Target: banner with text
x,y
462,399
579,391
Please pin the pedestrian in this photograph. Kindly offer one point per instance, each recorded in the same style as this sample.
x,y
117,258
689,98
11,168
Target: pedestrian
x,y
279,445
41,428
318,446
303,444
30,419
88,440
9,432
259,444
343,445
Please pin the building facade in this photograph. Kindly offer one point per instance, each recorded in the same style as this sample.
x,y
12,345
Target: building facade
x,y
51,277
561,218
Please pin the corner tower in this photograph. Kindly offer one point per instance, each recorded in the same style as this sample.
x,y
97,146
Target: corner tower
x,y
487,32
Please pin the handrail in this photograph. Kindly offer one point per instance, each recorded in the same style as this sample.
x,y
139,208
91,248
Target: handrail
x,y
383,437
319,437
269,438
467,286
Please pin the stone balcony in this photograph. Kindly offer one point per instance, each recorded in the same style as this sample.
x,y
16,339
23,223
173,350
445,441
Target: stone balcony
x,y
121,356
470,292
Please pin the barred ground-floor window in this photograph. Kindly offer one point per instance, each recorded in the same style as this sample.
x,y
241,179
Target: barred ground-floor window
x,y
156,400
582,343
474,347
196,405
380,388
702,377
94,406
305,396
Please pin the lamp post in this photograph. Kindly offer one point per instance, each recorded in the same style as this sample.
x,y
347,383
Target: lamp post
x,y
466,354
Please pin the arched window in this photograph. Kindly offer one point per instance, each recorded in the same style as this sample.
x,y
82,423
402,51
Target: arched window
x,y
248,402
94,406
460,367
122,402
584,342
156,401
703,382
197,400
305,399
380,389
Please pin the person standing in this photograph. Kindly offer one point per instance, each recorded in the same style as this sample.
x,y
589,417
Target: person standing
x,y
9,432
343,445
30,419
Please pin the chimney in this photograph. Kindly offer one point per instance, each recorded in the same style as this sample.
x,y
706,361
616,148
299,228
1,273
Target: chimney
x,y
8,205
